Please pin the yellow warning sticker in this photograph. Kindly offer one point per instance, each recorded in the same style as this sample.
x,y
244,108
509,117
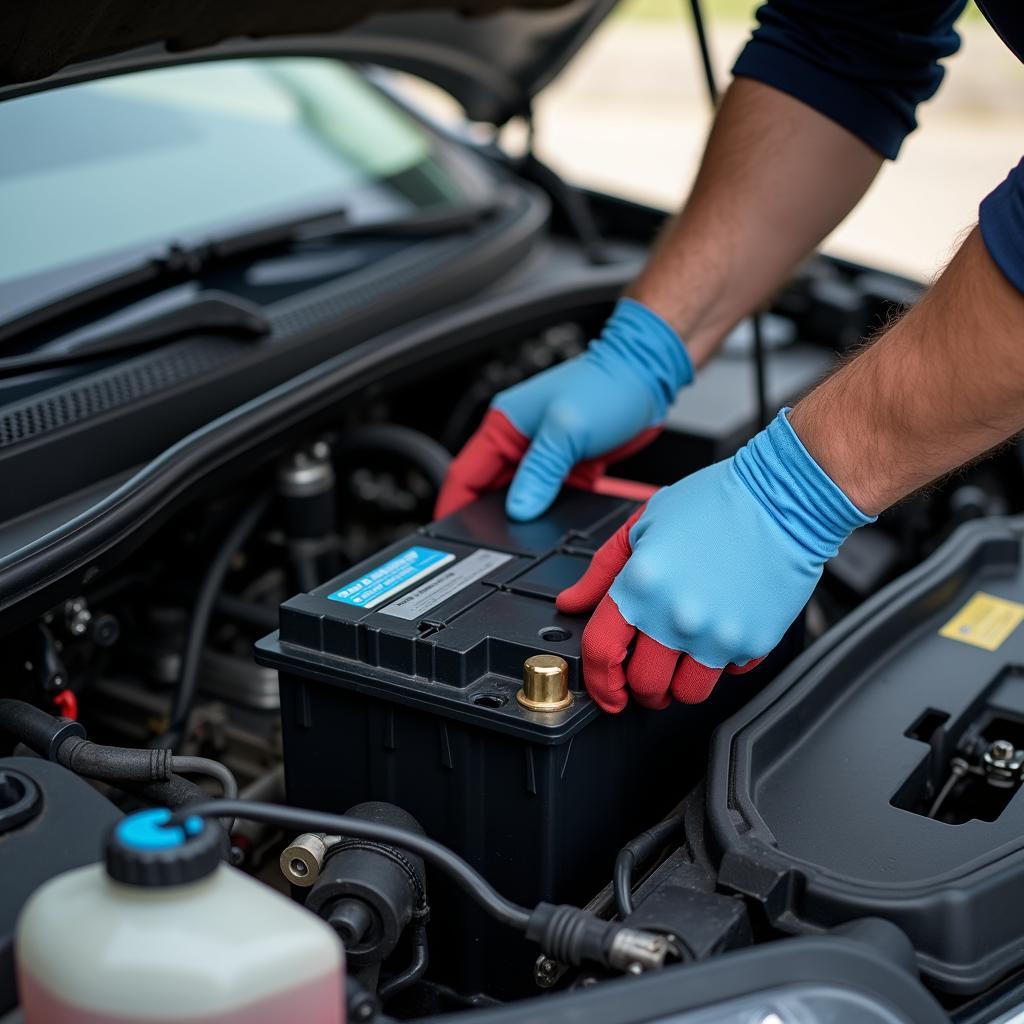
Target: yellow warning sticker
x,y
985,621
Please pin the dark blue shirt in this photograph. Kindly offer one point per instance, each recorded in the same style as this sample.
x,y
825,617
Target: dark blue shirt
x,y
867,64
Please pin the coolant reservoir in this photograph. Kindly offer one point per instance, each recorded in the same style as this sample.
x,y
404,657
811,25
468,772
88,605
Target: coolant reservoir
x,y
164,931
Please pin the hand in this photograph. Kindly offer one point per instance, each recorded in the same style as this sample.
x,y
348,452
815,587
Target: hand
x,y
710,574
570,422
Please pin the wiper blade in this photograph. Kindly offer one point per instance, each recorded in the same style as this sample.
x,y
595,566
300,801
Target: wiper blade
x,y
338,224
183,261
208,312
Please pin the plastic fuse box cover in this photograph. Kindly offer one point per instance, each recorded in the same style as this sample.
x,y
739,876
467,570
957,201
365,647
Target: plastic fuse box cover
x,y
826,793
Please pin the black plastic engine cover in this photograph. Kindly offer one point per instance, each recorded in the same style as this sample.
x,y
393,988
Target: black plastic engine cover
x,y
821,788
413,701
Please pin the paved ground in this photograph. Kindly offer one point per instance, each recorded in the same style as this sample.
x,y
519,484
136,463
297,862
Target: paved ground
x,y
630,115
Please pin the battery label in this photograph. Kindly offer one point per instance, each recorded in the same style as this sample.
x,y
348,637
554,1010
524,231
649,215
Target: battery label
x,y
393,576
985,621
472,568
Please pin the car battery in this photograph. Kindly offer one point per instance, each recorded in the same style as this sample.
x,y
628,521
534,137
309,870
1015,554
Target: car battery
x,y
400,681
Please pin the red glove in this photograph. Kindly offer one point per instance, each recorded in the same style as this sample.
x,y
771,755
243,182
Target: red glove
x,y
655,674
489,460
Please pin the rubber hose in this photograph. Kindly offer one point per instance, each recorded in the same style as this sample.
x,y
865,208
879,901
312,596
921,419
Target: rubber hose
x,y
252,613
636,851
174,793
416,969
434,853
114,764
199,623
38,730
622,882
430,457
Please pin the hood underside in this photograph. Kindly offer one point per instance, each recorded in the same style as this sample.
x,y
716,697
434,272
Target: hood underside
x,y
493,61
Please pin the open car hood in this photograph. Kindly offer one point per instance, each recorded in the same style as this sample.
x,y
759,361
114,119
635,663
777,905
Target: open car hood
x,y
491,58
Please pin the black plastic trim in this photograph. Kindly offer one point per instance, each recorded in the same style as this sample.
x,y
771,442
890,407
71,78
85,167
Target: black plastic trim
x,y
744,842
730,767
844,963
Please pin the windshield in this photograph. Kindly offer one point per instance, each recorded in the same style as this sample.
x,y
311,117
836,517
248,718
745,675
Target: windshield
x,y
130,162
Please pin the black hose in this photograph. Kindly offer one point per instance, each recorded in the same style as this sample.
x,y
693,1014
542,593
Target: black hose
x,y
114,764
430,457
416,969
760,372
438,856
306,574
573,203
636,851
705,51
622,882
40,731
174,793
188,675
145,774
262,616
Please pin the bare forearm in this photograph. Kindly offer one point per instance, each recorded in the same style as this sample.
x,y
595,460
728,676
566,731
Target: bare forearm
x,y
776,178
941,387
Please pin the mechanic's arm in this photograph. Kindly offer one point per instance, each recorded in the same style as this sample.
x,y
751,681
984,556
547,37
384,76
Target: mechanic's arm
x,y
941,387
712,573
776,178
826,90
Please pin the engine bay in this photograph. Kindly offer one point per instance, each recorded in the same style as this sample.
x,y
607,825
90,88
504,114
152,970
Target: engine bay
x,y
306,636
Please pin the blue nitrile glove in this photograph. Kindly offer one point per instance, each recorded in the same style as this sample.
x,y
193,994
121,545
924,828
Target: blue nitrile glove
x,y
710,574
584,413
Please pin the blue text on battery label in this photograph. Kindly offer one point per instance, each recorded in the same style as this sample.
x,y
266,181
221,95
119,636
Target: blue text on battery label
x,y
393,576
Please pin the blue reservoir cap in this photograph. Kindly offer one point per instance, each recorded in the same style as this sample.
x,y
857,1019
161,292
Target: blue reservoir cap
x,y
143,850
148,830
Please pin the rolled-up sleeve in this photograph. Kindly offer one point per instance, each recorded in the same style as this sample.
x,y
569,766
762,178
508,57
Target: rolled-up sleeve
x,y
1002,226
865,64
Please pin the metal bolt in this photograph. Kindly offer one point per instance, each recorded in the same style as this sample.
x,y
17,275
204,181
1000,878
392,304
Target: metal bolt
x,y
1002,750
545,972
307,472
363,1010
77,616
1003,764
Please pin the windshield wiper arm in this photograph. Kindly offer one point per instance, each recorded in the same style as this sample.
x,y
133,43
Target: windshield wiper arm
x,y
208,312
178,262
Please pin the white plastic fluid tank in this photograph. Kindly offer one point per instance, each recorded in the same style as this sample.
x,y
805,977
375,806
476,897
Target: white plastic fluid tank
x,y
165,931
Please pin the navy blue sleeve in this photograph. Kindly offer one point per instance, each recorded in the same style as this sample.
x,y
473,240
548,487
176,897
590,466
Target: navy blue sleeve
x,y
1002,226
865,64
